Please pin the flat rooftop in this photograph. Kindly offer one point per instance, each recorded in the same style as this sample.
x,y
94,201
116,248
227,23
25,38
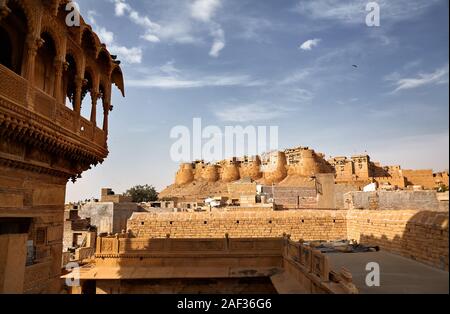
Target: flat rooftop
x,y
397,274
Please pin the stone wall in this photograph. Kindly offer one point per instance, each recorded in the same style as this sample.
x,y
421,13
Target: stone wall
x,y
40,199
108,217
419,177
301,224
385,200
419,235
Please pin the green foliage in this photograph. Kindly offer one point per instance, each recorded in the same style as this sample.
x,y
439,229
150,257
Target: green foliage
x,y
142,193
442,188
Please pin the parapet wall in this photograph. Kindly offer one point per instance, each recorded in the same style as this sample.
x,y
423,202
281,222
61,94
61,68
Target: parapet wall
x,y
419,235
386,200
304,224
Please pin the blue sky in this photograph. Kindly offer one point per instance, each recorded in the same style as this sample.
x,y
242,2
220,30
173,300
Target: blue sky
x,y
283,63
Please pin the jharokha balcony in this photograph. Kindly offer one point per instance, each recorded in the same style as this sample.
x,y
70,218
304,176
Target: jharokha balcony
x,y
50,74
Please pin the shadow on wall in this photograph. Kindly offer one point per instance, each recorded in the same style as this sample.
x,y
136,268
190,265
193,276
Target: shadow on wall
x,y
421,236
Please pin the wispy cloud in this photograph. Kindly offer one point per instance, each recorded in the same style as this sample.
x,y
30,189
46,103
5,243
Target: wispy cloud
x,y
354,11
251,112
310,43
127,54
170,77
171,82
439,76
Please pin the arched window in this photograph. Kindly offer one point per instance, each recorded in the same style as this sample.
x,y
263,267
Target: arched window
x,y
100,104
86,96
6,51
13,30
88,43
44,70
68,85
104,61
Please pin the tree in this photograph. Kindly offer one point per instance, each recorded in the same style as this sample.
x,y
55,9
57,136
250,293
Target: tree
x,y
142,193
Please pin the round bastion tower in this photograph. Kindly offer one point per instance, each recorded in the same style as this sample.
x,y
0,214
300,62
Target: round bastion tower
x,y
185,174
210,173
251,168
308,165
199,168
275,169
230,172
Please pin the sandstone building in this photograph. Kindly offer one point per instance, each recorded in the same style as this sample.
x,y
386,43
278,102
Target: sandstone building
x,y
47,71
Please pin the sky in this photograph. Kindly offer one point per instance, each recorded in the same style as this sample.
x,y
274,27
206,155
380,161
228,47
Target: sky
x,y
314,68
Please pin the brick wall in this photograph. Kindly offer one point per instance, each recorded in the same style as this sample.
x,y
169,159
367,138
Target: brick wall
x,y
301,224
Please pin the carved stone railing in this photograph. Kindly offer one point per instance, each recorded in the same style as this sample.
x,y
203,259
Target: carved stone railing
x,y
17,90
310,267
129,246
13,86
84,253
86,129
315,267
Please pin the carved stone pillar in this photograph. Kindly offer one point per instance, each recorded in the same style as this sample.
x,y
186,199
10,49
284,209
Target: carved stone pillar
x,y
4,10
59,67
79,81
106,110
33,43
95,95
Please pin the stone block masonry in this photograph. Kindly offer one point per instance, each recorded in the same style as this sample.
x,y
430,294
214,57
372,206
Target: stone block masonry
x,y
304,224
417,234
387,200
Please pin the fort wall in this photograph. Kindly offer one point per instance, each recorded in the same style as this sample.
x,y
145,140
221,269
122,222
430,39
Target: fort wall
x,y
230,172
304,224
420,177
275,173
185,174
210,173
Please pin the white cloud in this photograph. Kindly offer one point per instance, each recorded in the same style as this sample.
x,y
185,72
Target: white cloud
x,y
177,82
151,28
128,55
309,44
204,10
250,112
440,76
187,23
219,42
121,8
353,11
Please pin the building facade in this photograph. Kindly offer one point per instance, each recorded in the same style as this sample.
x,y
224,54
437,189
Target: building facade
x,y
49,72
